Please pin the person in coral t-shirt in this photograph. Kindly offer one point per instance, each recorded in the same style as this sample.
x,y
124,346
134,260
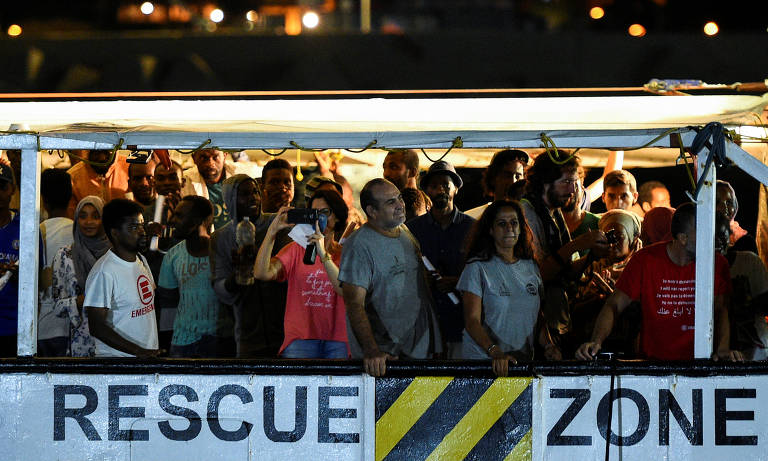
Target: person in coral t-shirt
x,y
315,317
662,278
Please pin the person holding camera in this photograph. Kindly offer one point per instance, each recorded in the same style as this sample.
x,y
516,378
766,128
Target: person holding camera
x,y
315,325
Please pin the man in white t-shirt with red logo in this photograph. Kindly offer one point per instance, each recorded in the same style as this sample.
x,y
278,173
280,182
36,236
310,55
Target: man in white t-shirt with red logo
x,y
120,290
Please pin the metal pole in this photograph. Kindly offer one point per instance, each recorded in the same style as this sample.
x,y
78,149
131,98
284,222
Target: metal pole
x,y
705,260
365,16
28,247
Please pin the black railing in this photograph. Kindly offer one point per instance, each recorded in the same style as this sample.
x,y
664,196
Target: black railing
x,y
399,368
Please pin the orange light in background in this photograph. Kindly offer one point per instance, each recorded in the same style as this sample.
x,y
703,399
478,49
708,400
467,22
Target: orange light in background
x,y
711,28
636,30
310,19
147,8
596,12
252,16
14,30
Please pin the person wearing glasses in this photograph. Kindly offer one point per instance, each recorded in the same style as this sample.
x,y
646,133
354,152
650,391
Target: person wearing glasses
x,y
315,325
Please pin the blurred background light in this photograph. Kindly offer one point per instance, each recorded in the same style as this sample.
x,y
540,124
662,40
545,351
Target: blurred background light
x,y
252,15
147,8
217,15
636,30
310,19
596,12
711,28
14,30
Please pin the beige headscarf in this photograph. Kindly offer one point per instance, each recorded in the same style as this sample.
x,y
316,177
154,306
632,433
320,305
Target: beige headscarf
x,y
629,221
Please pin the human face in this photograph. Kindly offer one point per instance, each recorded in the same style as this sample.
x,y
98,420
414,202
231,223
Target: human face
x,y
726,203
167,181
722,237
100,156
619,197
210,164
441,190
660,197
390,208
619,250
131,236
688,239
395,170
89,221
323,208
182,220
248,200
278,189
510,173
142,182
575,201
505,229
562,190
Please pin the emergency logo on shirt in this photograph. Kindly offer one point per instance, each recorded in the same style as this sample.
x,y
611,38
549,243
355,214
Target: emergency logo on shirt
x,y
531,288
145,289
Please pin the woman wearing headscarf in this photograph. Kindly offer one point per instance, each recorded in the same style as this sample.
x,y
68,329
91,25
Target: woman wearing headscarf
x,y
657,225
70,271
622,230
727,205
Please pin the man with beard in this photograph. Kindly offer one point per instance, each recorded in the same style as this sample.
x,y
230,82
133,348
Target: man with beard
x,y
441,233
401,168
202,327
668,323
551,184
107,178
141,186
259,308
120,290
386,294
576,218
206,181
277,184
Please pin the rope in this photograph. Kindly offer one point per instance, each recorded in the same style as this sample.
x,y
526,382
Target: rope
x,y
294,144
200,147
358,151
299,176
457,142
274,155
715,131
110,160
684,157
551,148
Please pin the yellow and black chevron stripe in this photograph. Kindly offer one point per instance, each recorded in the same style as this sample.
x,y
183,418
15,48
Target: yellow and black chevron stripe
x,y
444,418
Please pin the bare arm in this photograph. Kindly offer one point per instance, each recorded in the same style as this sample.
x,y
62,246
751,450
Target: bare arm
x,y
553,265
473,308
374,361
268,268
723,332
100,329
614,305
330,267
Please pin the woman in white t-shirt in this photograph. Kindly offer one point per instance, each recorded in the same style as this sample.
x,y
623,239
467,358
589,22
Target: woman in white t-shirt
x,y
501,285
70,271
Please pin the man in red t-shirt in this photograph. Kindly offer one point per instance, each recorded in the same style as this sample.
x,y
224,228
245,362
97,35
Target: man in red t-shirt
x,y
662,277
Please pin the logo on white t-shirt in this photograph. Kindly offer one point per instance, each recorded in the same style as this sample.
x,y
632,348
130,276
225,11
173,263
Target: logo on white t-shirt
x,y
146,295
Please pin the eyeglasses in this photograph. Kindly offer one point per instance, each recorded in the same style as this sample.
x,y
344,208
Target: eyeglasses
x,y
325,211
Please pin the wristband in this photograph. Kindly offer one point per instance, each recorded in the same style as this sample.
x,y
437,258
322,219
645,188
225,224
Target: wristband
x,y
490,348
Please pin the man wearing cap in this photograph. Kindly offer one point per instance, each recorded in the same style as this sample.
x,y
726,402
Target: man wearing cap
x,y
441,233
506,168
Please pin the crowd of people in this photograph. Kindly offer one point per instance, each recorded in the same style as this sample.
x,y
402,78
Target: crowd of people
x,y
148,260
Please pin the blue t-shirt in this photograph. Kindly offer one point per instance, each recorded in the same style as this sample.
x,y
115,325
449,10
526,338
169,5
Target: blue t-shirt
x,y
199,312
220,212
9,295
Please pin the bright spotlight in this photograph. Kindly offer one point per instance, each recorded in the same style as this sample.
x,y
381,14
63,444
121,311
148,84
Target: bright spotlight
x,y
596,12
252,16
711,28
310,19
636,30
147,8
14,30
217,15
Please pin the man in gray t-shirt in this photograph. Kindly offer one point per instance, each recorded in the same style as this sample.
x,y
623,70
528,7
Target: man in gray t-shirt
x,y
385,292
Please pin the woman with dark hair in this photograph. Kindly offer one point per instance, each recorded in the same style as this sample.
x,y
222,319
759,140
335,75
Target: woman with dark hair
x,y
315,317
71,266
501,286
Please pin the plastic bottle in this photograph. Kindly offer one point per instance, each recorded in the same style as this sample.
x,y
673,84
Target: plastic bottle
x,y
245,237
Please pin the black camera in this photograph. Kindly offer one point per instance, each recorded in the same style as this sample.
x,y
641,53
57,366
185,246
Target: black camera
x,y
302,216
611,237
